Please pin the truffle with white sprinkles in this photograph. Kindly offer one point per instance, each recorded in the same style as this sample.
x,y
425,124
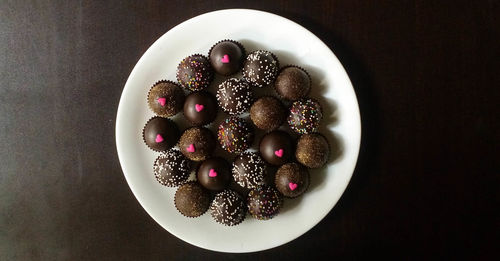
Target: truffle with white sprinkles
x,y
235,96
261,68
194,72
228,208
264,202
171,168
235,135
249,170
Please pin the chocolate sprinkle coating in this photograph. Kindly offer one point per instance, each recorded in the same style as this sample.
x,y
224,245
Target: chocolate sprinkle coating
x,y
228,208
276,148
171,168
214,174
197,143
292,180
293,83
200,108
160,134
191,199
172,95
305,116
235,96
313,150
260,68
267,113
230,50
235,135
249,170
194,72
264,202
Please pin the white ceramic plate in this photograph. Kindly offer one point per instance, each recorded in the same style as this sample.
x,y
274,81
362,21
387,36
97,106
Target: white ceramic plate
x,y
293,44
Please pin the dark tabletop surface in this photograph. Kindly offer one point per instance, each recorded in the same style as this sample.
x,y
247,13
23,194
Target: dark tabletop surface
x,y
426,74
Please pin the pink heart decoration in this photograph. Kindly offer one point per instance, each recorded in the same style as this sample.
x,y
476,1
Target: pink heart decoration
x,y
225,58
199,107
190,148
279,153
212,173
292,186
159,138
162,101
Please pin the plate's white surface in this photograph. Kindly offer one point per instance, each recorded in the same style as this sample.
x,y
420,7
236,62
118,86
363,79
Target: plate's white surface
x,y
293,44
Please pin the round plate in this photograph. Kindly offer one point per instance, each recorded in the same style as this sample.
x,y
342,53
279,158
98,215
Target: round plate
x,y
293,44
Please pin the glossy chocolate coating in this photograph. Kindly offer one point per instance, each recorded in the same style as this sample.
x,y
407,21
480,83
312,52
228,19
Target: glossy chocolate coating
x,y
276,148
235,135
264,202
228,208
226,57
235,96
200,108
171,168
305,116
160,134
249,170
214,174
260,68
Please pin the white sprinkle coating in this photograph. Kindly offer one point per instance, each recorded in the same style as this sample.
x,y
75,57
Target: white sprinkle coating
x,y
260,68
235,96
228,208
171,168
249,170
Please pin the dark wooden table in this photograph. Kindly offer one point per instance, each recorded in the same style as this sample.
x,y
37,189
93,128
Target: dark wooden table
x,y
426,74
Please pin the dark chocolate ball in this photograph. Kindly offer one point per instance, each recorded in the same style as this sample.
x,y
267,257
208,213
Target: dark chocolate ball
x,y
228,208
276,148
214,174
171,168
249,170
305,116
235,96
264,202
194,72
292,180
235,135
200,108
197,143
165,98
160,134
226,57
267,113
313,150
260,68
191,199
293,83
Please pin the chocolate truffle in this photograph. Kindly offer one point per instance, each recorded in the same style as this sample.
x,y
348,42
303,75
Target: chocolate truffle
x,y
194,72
200,108
305,116
235,135
293,83
191,199
214,174
160,134
292,180
171,168
249,170
267,113
165,98
313,150
260,68
234,96
226,57
276,148
264,202
228,208
197,143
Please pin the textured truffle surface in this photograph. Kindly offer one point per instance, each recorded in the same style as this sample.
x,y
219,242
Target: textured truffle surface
x,y
228,208
313,150
249,170
171,168
267,113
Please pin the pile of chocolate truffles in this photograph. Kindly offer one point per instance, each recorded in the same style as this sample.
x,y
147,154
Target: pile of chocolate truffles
x,y
229,188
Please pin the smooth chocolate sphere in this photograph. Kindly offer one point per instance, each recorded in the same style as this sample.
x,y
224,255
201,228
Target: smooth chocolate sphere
x,y
226,57
214,174
276,148
160,134
200,108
